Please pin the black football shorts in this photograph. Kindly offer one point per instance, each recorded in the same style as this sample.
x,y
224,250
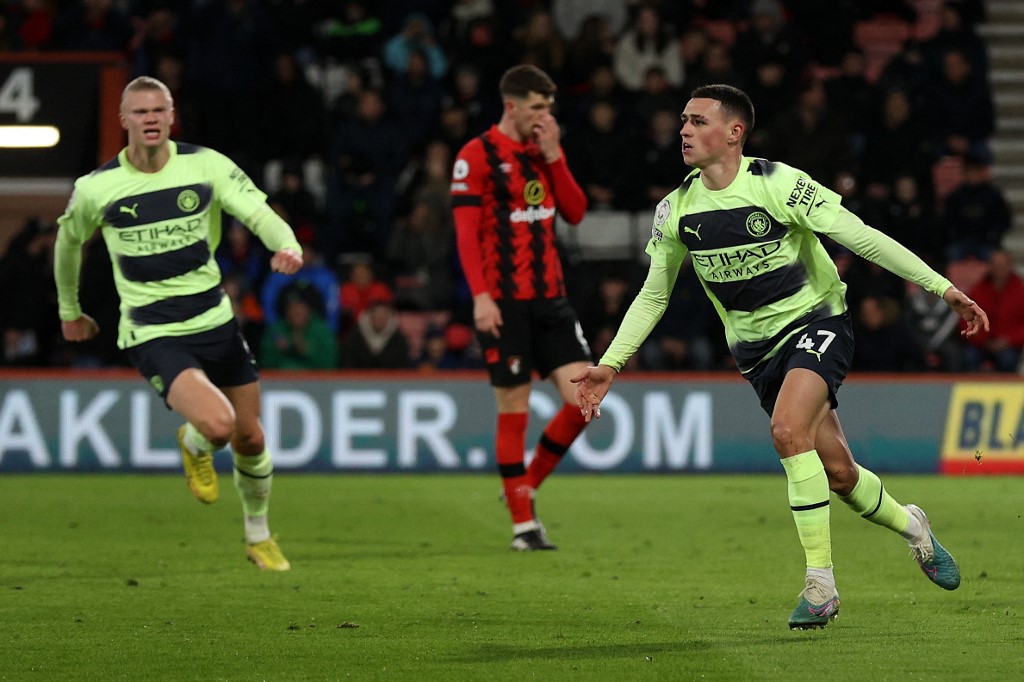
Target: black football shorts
x,y
221,353
537,336
824,347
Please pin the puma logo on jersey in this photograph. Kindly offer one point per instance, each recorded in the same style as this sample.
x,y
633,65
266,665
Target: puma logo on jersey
x,y
694,231
815,353
133,212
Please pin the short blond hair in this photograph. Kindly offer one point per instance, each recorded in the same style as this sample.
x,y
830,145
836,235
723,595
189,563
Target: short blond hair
x,y
147,83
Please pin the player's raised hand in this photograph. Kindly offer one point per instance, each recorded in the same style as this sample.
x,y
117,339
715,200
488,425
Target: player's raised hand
x,y
82,329
548,136
286,261
966,308
591,387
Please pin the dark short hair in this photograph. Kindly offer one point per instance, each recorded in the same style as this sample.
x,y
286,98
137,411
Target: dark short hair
x,y
520,81
734,101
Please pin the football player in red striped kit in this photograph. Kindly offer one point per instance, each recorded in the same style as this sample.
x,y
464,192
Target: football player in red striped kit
x,y
507,185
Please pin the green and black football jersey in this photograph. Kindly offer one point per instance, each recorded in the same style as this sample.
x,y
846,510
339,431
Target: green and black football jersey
x,y
755,250
161,230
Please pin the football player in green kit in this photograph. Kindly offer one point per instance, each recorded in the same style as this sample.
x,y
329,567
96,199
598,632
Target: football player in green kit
x,y
158,205
751,229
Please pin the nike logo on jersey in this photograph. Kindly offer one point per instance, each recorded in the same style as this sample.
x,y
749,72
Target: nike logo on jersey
x,y
130,211
694,231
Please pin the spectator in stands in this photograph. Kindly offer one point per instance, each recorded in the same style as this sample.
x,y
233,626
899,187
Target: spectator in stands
x,y
485,47
414,97
421,257
426,179
656,93
602,87
293,114
976,215
240,254
853,98
693,44
960,108
1001,291
28,302
465,93
299,338
375,342
769,39
716,66
896,142
453,126
92,25
604,159
247,309
663,169
934,327
606,305
827,26
865,279
354,34
774,94
906,71
811,136
593,45
884,344
360,288
316,276
231,51
909,220
294,202
540,44
648,42
571,15
27,26
158,32
461,17
417,35
367,154
436,353
955,34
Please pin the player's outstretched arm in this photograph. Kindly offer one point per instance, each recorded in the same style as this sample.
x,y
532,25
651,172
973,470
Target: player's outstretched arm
x,y
966,308
286,261
592,386
82,329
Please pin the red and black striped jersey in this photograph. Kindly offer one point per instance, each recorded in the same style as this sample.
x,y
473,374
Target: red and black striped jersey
x,y
504,199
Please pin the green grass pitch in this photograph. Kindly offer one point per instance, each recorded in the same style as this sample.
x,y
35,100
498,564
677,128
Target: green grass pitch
x,y
106,577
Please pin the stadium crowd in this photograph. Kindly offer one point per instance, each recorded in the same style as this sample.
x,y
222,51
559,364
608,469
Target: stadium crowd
x,y
348,113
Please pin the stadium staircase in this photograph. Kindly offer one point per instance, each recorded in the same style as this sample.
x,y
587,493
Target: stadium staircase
x,y
1004,34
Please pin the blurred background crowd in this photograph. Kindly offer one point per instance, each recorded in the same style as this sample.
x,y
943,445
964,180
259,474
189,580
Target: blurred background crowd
x,y
349,112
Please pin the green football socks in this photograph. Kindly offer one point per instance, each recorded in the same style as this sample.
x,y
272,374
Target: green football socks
x,y
253,479
809,500
870,500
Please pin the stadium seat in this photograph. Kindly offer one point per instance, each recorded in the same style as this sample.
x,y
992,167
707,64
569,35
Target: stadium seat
x,y
603,235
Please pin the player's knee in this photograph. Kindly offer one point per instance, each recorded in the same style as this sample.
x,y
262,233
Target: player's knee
x,y
249,443
219,427
787,440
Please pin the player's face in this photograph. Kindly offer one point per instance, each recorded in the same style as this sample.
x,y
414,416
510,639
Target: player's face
x,y
705,132
147,115
529,112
